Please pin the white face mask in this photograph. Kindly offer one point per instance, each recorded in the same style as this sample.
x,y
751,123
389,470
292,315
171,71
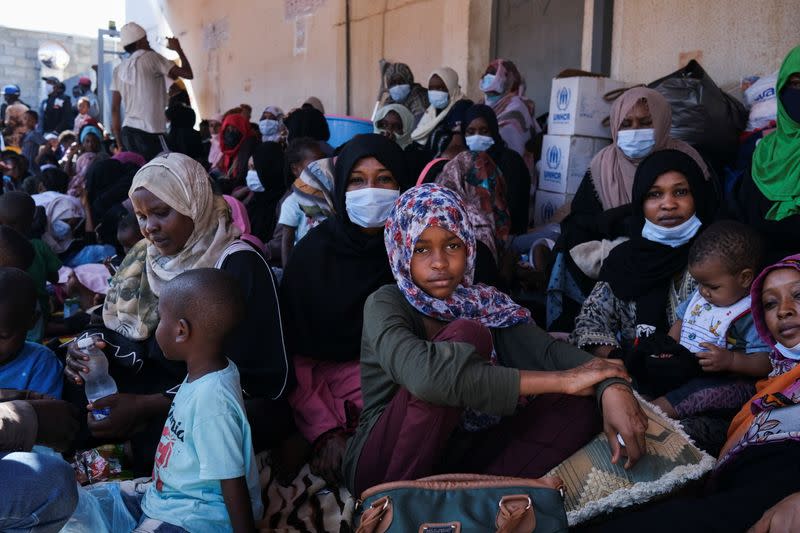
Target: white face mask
x,y
636,144
674,237
400,92
370,207
438,99
479,143
253,183
268,128
789,353
487,82
60,230
48,89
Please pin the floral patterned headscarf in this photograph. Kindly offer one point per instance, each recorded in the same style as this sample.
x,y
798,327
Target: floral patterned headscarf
x,y
433,205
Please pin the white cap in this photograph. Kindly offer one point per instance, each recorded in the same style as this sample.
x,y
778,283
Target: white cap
x,y
130,33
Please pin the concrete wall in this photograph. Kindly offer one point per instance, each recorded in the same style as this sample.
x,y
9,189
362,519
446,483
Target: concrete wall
x,y
733,38
244,51
19,63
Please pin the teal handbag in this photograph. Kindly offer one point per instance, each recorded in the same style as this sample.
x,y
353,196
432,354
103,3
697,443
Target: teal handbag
x,y
464,503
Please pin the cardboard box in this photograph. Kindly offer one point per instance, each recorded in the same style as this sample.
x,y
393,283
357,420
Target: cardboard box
x,y
577,106
546,205
565,159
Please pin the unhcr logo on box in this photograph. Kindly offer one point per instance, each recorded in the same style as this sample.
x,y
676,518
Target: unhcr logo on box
x,y
553,157
553,161
562,103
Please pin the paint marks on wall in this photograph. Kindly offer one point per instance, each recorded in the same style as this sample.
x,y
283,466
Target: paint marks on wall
x,y
299,13
299,8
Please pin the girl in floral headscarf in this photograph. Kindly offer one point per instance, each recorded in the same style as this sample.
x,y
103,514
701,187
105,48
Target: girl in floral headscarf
x,y
436,346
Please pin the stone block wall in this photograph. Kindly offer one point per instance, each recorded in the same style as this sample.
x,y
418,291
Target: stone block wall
x,y
19,63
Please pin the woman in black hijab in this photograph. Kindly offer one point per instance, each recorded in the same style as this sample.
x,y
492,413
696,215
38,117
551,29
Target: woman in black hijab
x,y
309,122
269,164
480,120
330,274
643,280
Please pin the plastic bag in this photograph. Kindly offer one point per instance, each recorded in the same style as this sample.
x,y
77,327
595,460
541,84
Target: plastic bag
x,y
101,509
761,98
703,115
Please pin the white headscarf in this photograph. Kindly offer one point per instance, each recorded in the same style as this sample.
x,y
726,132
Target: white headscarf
x,y
182,183
433,116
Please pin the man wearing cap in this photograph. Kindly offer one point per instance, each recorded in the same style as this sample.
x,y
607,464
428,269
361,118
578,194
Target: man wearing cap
x,y
11,115
139,83
84,89
57,109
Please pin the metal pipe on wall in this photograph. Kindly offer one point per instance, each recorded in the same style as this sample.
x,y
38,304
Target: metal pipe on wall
x,y
347,57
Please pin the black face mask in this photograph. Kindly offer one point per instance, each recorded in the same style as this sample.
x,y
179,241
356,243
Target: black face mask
x,y
790,98
231,137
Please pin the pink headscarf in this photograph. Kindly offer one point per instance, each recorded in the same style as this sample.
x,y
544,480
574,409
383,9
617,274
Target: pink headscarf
x,y
130,158
242,221
612,171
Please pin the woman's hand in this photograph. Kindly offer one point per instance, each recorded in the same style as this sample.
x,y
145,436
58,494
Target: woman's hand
x,y
127,416
783,517
76,362
580,381
622,415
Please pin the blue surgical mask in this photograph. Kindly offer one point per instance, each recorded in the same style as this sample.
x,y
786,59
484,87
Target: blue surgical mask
x,y
674,237
479,143
438,99
370,207
486,82
253,182
60,230
790,98
268,128
789,353
492,98
399,93
636,144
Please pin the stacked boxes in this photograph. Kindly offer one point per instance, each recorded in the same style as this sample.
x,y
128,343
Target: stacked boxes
x,y
575,134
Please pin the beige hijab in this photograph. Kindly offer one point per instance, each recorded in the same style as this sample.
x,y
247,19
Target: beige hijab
x,y
131,306
433,116
612,171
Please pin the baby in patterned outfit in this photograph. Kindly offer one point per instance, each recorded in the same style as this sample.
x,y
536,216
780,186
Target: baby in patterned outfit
x,y
717,325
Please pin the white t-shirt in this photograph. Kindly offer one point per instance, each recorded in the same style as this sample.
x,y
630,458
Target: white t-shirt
x,y
206,439
142,80
293,215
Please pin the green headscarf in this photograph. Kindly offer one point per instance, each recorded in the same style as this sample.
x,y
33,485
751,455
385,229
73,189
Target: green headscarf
x,y
776,161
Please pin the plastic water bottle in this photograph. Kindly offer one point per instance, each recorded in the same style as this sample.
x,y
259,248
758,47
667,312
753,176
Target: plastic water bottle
x,y
98,383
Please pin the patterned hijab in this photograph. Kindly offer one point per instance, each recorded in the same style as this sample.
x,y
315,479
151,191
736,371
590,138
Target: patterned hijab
x,y
482,187
780,364
131,306
515,113
433,205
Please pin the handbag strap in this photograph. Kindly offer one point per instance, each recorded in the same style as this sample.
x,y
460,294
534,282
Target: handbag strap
x,y
377,518
516,515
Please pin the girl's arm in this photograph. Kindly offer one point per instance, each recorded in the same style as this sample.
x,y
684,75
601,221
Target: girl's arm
x,y
237,501
442,373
